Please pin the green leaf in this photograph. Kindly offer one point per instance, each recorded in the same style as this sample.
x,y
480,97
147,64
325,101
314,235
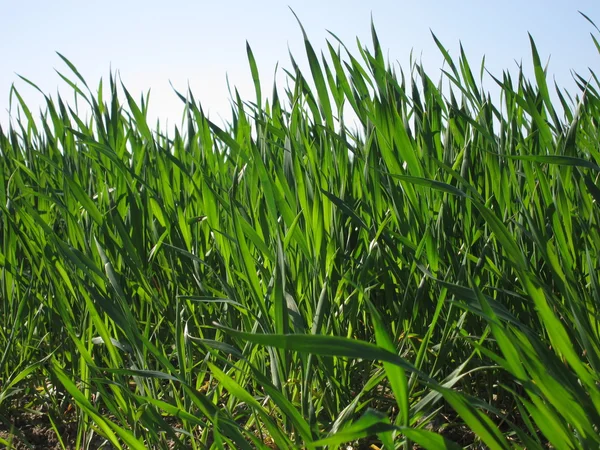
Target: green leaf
x,y
326,346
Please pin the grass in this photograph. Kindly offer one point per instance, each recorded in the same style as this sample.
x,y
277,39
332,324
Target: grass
x,y
427,277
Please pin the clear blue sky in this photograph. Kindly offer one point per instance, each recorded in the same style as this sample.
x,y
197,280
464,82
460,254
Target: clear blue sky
x,y
153,42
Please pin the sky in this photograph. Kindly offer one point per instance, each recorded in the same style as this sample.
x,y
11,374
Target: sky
x,y
156,44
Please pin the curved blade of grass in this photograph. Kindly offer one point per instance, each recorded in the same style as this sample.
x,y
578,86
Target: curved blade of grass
x,y
239,392
370,424
476,420
318,77
395,374
110,429
553,159
325,346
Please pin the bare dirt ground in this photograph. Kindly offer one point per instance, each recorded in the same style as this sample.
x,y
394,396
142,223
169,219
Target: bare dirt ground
x,y
34,431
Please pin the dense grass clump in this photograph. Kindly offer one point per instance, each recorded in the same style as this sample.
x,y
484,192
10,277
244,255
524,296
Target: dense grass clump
x,y
429,275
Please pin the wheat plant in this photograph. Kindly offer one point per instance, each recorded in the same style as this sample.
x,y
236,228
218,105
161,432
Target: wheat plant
x,y
367,257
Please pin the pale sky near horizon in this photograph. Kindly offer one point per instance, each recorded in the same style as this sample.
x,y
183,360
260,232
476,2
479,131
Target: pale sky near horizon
x,y
153,43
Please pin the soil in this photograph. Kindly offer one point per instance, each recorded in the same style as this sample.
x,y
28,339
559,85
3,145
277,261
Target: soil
x,y
34,431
